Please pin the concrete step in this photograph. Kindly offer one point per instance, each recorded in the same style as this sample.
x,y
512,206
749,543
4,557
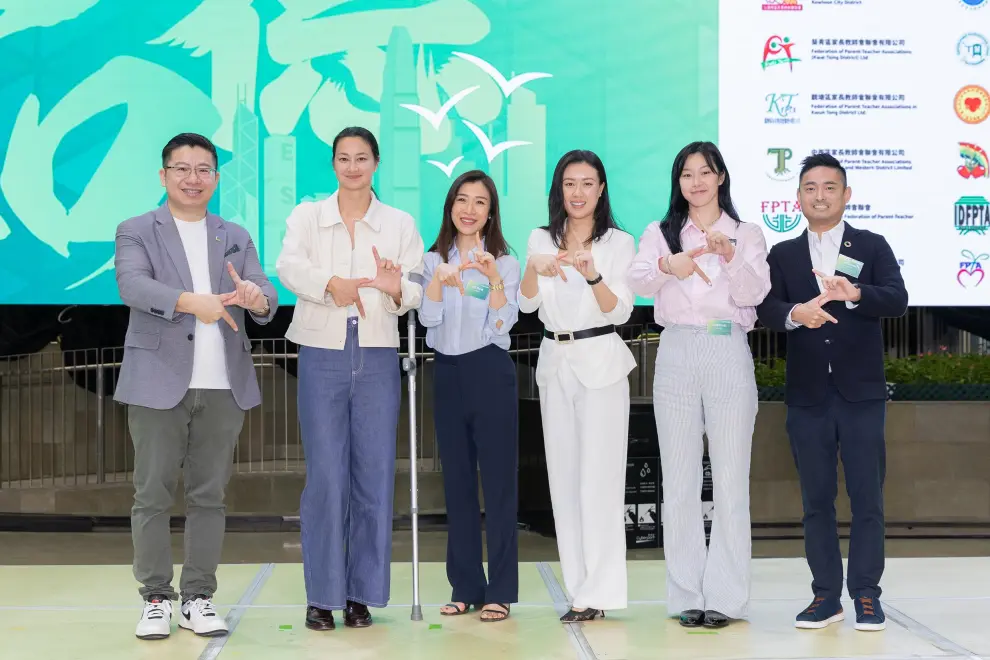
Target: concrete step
x,y
266,494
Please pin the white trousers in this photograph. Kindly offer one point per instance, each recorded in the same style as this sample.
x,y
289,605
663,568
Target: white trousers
x,y
585,432
705,384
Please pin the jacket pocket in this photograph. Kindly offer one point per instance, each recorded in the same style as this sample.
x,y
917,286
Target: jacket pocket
x,y
313,316
146,340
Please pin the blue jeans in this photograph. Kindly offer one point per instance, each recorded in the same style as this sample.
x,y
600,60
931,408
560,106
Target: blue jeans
x,y
348,418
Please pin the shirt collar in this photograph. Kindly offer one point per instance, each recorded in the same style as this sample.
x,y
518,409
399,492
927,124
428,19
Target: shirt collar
x,y
454,252
724,224
833,235
330,213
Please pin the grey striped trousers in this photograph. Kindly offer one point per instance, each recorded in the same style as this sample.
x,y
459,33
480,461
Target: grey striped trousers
x,y
705,384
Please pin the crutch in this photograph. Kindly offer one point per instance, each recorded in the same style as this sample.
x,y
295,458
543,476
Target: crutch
x,y
409,366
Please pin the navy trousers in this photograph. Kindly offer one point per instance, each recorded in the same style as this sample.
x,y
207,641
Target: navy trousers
x,y
476,412
818,434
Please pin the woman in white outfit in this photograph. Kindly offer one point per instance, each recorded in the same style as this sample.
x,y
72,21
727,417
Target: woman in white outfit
x,y
576,277
706,271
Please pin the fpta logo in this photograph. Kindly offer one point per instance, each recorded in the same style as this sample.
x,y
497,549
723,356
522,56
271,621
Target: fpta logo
x,y
974,4
781,215
971,273
972,215
777,50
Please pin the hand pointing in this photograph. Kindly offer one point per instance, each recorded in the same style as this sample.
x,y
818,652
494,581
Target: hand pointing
x,y
246,293
388,276
682,265
837,288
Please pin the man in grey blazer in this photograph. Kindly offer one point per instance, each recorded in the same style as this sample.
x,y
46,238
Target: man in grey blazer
x,y
187,377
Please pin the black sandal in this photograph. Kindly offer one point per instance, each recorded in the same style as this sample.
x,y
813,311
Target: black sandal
x,y
458,611
580,616
499,615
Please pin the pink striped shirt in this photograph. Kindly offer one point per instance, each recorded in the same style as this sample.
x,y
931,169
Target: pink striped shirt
x,y
738,286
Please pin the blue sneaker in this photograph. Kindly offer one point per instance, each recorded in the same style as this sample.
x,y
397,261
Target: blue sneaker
x,y
869,614
821,613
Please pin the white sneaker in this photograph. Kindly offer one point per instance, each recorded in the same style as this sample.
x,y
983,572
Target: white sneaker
x,y
156,620
199,616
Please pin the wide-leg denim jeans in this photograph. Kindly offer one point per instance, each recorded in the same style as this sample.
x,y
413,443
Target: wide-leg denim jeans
x,y
348,417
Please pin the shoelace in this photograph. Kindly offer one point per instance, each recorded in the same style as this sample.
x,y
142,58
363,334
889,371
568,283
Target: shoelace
x,y
205,607
867,604
154,610
814,605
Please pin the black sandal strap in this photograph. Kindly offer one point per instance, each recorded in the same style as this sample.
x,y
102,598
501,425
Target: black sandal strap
x,y
499,614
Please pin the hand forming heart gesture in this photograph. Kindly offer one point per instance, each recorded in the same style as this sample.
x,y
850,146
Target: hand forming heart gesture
x,y
547,265
388,278
583,262
483,261
450,275
837,288
682,265
344,292
811,314
720,244
246,293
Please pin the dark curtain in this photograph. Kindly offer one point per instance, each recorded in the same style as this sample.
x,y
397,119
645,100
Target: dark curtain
x,y
26,329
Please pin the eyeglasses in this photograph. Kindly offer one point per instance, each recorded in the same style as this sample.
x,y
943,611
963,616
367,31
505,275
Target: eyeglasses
x,y
183,171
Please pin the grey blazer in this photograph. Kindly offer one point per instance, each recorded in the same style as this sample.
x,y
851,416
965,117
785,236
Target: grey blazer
x,y
151,273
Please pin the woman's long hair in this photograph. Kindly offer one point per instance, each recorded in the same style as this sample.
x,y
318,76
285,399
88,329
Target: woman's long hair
x,y
491,233
677,212
604,220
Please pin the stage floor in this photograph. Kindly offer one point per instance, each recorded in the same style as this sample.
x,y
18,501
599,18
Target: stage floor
x,y
936,608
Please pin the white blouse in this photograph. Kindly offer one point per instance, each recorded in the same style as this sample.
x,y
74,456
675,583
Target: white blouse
x,y
569,306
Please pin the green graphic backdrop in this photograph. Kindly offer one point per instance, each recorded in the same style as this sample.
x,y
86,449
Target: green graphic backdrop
x,y
90,91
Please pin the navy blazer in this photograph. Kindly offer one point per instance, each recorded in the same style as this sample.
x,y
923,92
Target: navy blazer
x,y
853,346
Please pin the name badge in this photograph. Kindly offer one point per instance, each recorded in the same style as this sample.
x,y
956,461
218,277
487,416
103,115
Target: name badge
x,y
720,327
849,266
477,290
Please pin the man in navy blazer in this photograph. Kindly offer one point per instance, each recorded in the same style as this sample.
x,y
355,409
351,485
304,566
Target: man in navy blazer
x,y
830,287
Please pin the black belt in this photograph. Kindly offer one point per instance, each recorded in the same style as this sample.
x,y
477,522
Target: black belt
x,y
571,337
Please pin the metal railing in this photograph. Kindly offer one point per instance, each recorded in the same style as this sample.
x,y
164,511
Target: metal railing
x,y
59,424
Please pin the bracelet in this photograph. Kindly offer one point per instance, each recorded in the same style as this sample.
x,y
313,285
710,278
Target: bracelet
x,y
595,281
497,287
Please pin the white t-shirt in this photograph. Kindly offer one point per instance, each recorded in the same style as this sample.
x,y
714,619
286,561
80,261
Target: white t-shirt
x,y
209,362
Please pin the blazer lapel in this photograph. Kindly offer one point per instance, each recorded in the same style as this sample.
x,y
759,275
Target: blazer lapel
x,y
216,236
173,244
851,248
804,263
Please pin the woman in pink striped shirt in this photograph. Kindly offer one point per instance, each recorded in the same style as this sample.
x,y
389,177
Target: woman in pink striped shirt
x,y
706,271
